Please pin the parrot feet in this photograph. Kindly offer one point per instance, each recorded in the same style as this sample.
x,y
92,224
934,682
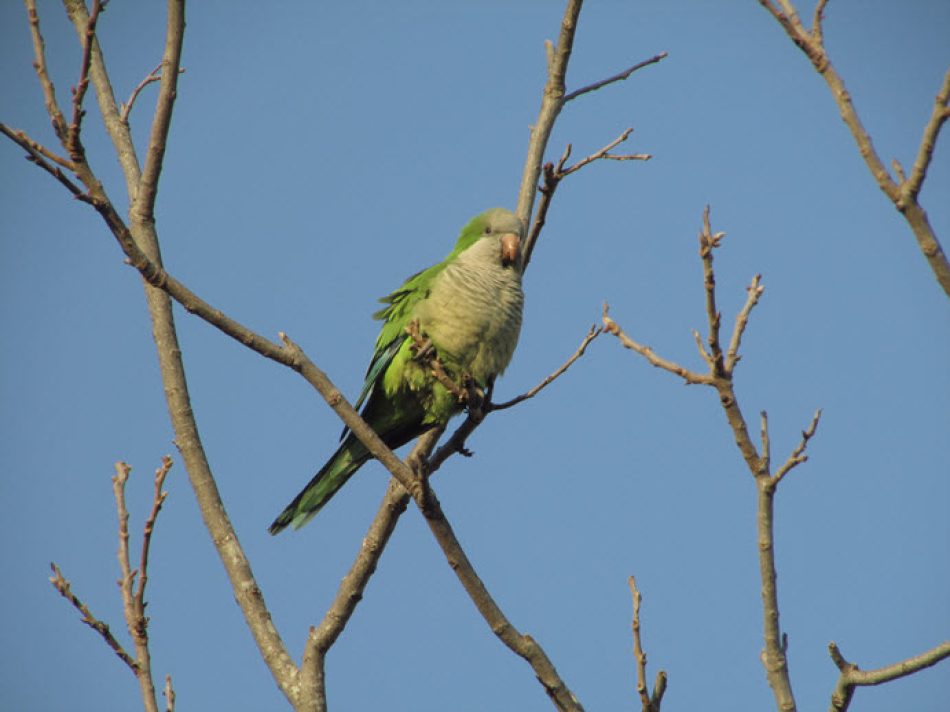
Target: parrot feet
x,y
423,347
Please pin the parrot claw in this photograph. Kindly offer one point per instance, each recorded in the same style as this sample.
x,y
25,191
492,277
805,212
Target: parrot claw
x,y
422,345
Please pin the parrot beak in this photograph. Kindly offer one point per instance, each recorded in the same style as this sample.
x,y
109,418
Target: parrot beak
x,y
510,249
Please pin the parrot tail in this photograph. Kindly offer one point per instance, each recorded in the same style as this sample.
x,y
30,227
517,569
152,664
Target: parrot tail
x,y
348,458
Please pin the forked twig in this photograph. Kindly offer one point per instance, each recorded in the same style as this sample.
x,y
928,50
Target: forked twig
x,y
648,702
851,676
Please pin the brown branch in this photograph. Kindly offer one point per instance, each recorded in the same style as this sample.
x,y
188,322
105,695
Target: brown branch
x,y
707,243
126,109
817,19
73,144
118,131
140,241
157,501
904,194
754,291
133,601
39,64
618,77
552,101
353,585
851,676
38,154
720,377
648,702
555,173
591,335
143,206
455,444
169,694
34,148
798,456
602,154
62,585
521,644
939,115
691,377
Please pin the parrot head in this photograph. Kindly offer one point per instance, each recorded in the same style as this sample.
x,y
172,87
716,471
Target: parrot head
x,y
498,225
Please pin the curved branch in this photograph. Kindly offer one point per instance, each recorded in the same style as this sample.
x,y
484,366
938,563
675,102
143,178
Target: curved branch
x,y
852,676
902,194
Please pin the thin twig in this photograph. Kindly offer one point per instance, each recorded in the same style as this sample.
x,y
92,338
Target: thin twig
x,y
555,173
754,291
707,243
594,332
39,64
73,143
602,154
62,585
618,77
158,500
797,457
691,377
169,694
38,154
133,601
851,676
648,702
126,109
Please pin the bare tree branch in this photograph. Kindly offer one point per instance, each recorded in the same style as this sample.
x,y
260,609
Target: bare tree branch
x,y
133,601
554,174
150,78
523,645
851,676
592,334
62,585
618,77
133,598
720,377
141,243
552,101
38,154
39,64
73,144
648,702
903,194
169,694
691,377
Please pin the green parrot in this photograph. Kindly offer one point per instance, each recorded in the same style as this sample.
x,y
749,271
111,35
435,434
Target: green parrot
x,y
469,308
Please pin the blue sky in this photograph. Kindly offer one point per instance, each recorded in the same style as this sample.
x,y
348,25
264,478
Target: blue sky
x,y
321,153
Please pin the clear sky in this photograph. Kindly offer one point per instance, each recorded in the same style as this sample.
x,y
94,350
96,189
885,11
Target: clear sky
x,y
322,152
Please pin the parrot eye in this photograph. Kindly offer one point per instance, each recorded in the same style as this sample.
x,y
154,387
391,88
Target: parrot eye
x,y
488,229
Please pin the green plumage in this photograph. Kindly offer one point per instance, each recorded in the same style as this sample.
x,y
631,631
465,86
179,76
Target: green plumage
x,y
469,306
